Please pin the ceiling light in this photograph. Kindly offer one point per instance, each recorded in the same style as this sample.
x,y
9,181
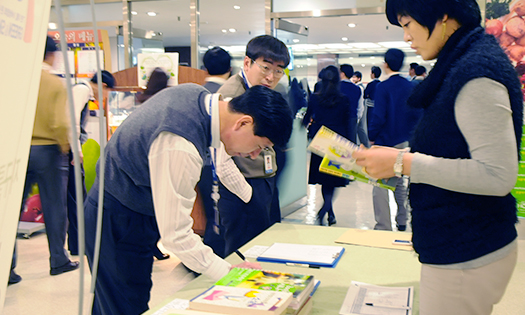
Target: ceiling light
x,y
316,12
352,25
232,30
344,39
225,31
52,26
236,7
295,40
210,47
151,13
363,65
134,12
394,44
364,45
372,57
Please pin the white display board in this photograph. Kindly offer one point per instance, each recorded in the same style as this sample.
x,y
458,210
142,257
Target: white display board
x,y
169,62
23,27
59,65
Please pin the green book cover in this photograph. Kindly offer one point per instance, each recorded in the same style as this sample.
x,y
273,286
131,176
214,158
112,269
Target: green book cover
x,y
337,169
298,284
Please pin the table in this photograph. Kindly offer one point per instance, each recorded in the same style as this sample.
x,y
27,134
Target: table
x,y
377,266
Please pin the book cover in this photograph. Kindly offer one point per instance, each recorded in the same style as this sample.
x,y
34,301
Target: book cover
x,y
338,161
349,172
241,301
299,285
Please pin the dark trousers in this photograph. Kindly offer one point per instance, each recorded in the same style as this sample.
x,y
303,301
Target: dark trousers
x,y
126,257
213,240
72,231
48,167
243,221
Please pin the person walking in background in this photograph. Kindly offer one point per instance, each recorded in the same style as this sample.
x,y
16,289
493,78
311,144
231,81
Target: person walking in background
x,y
362,129
353,93
464,157
412,71
83,92
48,161
391,125
370,92
217,62
329,107
158,81
421,73
264,64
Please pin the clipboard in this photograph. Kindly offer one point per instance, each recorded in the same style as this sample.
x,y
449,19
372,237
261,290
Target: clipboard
x,y
314,256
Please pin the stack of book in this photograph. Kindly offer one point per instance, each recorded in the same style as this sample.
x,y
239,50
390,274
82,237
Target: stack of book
x,y
253,291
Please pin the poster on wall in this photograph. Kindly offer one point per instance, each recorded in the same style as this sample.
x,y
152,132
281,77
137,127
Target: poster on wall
x,y
23,25
505,19
87,62
59,67
169,62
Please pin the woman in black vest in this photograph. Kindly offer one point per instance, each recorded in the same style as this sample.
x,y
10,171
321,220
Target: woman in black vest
x,y
464,157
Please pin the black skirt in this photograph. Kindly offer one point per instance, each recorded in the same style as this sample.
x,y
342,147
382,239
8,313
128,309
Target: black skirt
x,y
317,177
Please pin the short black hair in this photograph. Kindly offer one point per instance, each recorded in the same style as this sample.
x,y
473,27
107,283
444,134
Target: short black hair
x,y
394,58
51,46
107,78
414,65
420,70
347,69
358,74
271,113
428,12
376,71
217,61
268,47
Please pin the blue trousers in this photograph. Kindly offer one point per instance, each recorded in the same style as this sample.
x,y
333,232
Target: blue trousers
x,y
48,167
126,258
72,230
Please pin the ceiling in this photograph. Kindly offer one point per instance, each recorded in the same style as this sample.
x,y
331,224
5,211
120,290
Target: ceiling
x,y
371,37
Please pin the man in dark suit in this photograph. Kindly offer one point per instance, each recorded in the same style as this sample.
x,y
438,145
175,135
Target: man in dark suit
x,y
217,62
391,125
353,92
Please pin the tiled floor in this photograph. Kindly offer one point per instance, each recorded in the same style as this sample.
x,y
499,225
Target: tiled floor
x,y
39,293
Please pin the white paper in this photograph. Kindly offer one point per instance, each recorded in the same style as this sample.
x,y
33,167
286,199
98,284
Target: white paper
x,y
255,251
385,300
87,61
176,304
310,254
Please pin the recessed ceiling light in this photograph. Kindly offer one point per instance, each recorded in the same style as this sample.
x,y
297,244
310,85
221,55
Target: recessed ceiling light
x,y
151,13
352,25
372,57
210,47
225,31
232,30
134,12
295,40
236,7
52,26
363,65
344,39
316,12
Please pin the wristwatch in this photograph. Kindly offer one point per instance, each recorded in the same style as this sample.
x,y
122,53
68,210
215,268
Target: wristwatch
x,y
398,166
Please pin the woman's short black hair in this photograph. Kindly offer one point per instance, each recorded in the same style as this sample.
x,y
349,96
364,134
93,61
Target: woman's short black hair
x,y
428,12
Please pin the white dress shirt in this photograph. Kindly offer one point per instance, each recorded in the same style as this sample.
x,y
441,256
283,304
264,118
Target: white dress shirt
x,y
175,167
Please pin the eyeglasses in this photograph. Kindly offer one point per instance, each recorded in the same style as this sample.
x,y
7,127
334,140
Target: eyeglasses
x,y
266,70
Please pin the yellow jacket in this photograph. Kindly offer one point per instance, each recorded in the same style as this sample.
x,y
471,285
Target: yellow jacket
x,y
51,118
